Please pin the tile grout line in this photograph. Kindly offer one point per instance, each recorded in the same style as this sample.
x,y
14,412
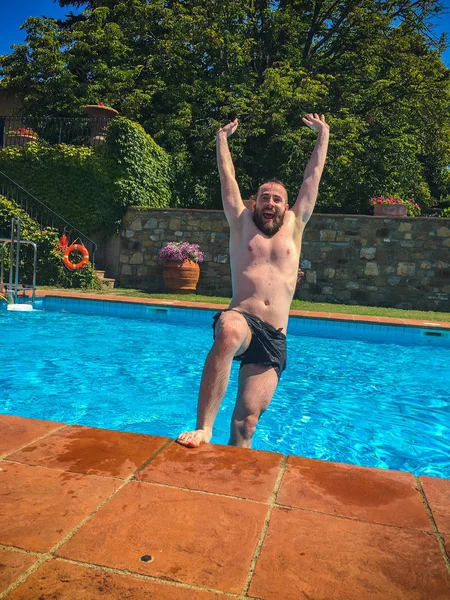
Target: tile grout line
x,y
194,491
136,575
8,461
439,537
265,527
43,558
3,456
51,553
356,520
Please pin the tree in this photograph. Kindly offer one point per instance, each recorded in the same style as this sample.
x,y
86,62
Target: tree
x,y
183,67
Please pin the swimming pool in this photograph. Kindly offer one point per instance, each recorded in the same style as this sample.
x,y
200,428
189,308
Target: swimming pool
x,y
354,401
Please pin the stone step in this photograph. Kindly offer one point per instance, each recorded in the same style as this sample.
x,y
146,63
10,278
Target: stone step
x,y
100,274
107,283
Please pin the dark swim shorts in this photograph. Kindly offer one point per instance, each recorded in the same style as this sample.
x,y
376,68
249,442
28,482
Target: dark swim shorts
x,y
267,346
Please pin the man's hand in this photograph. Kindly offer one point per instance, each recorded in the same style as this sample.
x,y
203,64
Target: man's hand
x,y
315,122
230,128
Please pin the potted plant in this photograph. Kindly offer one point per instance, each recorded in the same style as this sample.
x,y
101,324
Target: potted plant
x,y
20,137
394,207
181,269
100,116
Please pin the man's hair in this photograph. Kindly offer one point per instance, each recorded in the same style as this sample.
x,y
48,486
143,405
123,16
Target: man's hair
x,y
274,180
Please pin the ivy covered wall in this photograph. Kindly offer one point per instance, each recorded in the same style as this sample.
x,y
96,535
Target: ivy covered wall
x,y
93,187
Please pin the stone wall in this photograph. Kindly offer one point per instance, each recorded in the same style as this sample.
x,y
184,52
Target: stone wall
x,y
348,259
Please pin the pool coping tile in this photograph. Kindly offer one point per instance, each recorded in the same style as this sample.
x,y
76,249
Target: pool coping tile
x,y
317,556
194,538
14,564
39,507
207,544
239,472
437,493
67,581
206,305
368,494
16,432
92,451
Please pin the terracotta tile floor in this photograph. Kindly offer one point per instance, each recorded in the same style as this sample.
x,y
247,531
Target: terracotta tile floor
x,y
89,513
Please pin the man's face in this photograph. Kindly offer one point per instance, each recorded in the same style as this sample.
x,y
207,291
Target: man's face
x,y
270,207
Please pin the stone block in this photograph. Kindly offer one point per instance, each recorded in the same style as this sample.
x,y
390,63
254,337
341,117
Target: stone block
x,y
126,270
137,258
147,244
311,276
343,295
408,244
329,273
305,264
151,224
174,224
371,269
217,226
443,232
222,258
327,290
425,264
405,227
405,269
368,253
136,225
327,235
352,285
124,258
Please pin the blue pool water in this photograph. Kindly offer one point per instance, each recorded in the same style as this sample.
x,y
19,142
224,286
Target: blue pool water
x,y
374,404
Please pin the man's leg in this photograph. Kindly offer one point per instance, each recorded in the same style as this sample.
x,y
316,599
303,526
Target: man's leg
x,y
232,338
257,385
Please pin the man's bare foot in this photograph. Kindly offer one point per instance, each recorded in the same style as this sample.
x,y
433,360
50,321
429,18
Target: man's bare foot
x,y
193,439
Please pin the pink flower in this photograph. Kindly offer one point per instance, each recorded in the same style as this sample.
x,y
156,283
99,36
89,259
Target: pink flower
x,y
416,206
380,201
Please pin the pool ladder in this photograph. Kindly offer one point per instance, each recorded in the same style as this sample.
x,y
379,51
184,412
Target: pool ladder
x,y
10,291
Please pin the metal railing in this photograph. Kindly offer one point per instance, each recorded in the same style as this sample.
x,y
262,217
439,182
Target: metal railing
x,y
43,214
78,131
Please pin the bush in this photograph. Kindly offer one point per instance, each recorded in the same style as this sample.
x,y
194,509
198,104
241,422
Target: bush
x,y
50,269
92,188
445,213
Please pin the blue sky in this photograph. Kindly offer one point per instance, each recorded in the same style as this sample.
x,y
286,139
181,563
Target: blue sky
x,y
14,13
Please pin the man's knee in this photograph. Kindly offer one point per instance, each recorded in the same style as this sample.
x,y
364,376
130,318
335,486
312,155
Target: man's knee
x,y
230,334
247,426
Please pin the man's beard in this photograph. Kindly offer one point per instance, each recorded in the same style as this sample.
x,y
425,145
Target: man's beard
x,y
271,227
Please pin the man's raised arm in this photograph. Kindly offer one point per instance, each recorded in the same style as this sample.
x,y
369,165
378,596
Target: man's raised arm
x,y
307,195
231,196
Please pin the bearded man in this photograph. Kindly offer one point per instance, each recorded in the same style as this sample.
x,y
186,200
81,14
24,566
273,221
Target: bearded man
x,y
265,247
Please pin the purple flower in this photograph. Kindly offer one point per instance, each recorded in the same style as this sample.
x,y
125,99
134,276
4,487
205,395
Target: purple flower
x,y
181,251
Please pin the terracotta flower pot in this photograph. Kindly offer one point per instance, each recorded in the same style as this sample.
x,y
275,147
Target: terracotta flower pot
x,y
181,277
390,210
13,139
99,125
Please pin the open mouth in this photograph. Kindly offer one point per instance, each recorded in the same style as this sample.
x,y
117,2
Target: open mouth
x,y
268,215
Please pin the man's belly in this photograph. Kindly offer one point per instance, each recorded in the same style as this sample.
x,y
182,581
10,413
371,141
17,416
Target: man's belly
x,y
265,297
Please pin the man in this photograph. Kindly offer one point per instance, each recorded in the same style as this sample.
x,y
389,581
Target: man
x,y
265,246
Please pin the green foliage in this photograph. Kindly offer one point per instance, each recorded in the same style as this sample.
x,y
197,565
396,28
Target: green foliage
x,y
182,68
143,173
50,269
92,187
445,213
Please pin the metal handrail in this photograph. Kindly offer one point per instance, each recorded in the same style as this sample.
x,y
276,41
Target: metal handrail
x,y
54,215
15,286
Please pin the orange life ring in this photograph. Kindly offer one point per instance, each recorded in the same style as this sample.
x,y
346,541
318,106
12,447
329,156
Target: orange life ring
x,y
75,266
